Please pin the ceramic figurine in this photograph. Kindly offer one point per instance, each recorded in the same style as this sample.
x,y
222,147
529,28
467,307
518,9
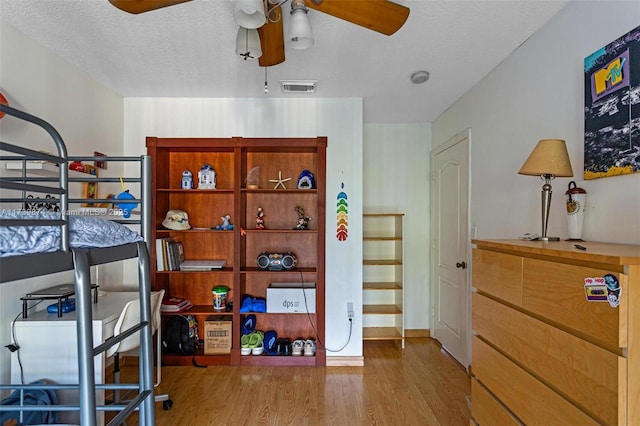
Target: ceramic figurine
x,y
303,221
226,223
206,177
260,219
187,180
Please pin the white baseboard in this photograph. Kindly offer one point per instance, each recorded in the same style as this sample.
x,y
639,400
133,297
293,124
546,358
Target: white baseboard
x,y
345,361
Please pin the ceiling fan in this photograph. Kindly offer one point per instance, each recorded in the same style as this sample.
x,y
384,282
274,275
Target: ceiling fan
x,y
382,16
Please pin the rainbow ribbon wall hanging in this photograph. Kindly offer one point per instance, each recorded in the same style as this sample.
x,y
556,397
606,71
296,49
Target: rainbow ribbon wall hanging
x,y
342,215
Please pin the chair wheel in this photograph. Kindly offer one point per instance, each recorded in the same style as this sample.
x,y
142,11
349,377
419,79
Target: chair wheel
x,y
167,404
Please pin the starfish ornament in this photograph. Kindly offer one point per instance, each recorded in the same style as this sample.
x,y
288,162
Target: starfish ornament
x,y
279,182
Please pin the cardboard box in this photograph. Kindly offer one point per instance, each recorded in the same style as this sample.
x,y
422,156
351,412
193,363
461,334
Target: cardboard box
x,y
289,298
217,337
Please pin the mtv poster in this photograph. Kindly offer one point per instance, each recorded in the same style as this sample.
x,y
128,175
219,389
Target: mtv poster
x,y
612,108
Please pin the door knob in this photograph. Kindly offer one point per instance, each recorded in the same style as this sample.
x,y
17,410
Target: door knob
x,y
462,265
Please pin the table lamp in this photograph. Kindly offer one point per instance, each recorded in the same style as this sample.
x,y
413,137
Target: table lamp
x,y
549,159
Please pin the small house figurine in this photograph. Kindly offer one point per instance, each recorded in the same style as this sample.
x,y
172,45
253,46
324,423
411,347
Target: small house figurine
x,y
260,219
206,177
303,221
187,180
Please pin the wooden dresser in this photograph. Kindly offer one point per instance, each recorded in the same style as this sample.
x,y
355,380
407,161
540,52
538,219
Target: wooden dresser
x,y
548,350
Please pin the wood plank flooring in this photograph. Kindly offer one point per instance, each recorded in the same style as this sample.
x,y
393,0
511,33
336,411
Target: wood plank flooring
x,y
418,385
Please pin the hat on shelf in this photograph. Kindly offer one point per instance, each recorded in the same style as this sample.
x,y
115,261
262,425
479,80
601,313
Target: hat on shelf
x,y
178,220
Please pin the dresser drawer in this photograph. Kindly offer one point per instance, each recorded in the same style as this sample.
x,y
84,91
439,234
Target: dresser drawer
x,y
591,375
529,399
498,274
555,291
487,410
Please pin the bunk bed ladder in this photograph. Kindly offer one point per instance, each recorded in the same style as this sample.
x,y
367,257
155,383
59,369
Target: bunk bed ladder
x,y
86,351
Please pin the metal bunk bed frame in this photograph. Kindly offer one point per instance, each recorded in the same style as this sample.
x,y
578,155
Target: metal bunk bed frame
x,y
80,260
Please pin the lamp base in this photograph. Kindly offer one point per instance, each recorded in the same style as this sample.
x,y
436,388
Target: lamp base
x,y
549,239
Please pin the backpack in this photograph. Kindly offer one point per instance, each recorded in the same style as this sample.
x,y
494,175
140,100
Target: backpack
x,y
31,397
181,335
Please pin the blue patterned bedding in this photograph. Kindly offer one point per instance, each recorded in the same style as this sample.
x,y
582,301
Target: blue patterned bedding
x,y
84,232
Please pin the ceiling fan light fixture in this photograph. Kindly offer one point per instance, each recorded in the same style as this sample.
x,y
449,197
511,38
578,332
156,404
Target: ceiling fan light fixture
x,y
300,35
248,43
249,13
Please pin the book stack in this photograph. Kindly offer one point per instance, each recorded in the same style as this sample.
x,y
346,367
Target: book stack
x,y
169,254
175,304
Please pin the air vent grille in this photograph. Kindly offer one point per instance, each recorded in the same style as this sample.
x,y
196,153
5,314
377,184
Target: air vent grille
x,y
299,86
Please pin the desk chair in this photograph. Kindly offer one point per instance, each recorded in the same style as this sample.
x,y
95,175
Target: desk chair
x,y
129,317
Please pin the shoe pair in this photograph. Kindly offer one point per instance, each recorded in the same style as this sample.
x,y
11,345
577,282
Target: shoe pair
x,y
252,344
283,347
299,346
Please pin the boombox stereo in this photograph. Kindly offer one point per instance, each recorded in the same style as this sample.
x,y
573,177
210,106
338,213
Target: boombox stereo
x,y
277,261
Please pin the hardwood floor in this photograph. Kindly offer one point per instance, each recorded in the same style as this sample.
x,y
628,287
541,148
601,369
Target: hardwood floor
x,y
418,385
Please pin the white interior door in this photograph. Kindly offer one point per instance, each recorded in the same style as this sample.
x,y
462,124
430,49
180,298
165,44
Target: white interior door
x,y
449,248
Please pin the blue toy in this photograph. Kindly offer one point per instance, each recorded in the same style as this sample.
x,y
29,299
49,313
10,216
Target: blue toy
x,y
225,225
126,207
305,180
187,180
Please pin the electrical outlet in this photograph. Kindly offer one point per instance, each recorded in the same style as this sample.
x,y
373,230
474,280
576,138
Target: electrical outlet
x,y
350,310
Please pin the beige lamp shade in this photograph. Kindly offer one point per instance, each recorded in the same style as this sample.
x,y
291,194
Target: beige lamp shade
x,y
549,157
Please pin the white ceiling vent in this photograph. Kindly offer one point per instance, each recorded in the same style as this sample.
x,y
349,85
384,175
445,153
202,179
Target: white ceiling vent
x,y
299,86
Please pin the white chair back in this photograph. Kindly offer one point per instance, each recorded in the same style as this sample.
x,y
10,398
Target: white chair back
x,y
129,317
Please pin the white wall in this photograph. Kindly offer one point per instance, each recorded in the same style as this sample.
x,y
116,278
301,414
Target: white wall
x,y
537,93
396,180
338,119
87,115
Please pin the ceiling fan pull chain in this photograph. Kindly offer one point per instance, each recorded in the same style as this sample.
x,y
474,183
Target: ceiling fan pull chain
x,y
266,86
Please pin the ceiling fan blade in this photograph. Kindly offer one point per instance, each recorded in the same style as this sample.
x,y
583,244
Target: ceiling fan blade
x,y
141,6
272,40
378,15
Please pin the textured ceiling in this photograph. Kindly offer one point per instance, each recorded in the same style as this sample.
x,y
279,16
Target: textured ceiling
x,y
188,50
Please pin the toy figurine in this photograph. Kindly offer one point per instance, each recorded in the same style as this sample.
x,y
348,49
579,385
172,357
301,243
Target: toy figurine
x,y
187,180
305,180
303,221
226,224
260,219
206,177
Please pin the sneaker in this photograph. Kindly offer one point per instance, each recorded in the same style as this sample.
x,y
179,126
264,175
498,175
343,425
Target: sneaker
x,y
285,349
309,347
296,347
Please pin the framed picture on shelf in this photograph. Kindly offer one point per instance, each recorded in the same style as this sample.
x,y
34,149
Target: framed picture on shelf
x,y
89,190
100,164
